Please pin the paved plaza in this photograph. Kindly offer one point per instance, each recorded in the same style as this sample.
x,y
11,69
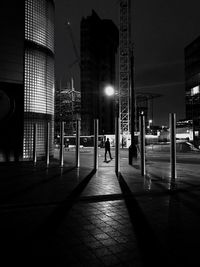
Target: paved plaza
x,y
78,217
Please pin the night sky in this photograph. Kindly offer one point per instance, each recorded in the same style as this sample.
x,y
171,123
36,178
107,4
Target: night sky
x,y
160,31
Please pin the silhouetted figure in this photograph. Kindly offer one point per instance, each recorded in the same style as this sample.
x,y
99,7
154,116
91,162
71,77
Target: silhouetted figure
x,y
107,149
134,151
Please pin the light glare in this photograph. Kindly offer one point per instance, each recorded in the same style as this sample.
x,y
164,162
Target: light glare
x,y
109,90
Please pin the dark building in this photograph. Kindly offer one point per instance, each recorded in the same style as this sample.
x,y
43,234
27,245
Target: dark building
x,y
26,77
99,43
192,87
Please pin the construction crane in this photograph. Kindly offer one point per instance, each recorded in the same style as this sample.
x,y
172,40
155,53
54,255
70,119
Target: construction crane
x,y
124,65
73,97
68,24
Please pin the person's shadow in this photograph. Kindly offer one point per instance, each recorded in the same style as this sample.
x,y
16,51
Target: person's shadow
x,y
107,161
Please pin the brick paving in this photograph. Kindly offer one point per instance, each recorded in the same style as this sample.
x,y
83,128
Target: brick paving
x,y
76,217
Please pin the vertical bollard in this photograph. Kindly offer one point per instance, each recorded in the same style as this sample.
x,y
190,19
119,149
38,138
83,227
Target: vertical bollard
x,y
47,143
35,143
77,143
142,144
117,142
172,120
61,143
96,130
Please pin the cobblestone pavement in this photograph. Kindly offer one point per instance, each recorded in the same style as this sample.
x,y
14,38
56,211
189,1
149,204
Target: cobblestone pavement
x,y
77,217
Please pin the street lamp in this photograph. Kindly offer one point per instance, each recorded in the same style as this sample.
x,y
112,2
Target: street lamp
x,y
110,91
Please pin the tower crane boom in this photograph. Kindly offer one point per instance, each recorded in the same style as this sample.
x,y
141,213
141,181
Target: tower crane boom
x,y
68,24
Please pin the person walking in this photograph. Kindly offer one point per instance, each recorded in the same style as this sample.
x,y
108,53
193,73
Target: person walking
x,y
107,149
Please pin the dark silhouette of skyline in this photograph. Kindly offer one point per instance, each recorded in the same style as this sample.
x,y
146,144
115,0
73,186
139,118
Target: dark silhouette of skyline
x,y
160,32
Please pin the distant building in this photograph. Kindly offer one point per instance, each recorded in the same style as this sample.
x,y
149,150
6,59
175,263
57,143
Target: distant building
x,y
99,43
184,131
67,108
26,77
144,105
192,87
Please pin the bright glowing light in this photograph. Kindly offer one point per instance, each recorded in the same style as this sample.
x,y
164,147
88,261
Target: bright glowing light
x,y
150,121
195,90
109,90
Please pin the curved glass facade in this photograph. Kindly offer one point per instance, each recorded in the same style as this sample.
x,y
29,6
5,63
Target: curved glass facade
x,y
39,82
38,74
39,22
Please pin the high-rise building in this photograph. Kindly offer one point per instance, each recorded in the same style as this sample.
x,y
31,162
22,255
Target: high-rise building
x,y
99,43
192,87
26,77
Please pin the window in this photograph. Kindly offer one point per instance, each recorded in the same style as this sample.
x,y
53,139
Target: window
x,y
195,90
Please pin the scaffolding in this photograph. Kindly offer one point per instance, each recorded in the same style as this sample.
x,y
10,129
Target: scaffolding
x,y
124,65
67,108
71,103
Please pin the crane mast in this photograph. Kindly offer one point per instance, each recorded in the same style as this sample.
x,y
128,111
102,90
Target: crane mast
x,y
124,65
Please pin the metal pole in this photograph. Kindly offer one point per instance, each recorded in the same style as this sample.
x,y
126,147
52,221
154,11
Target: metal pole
x,y
77,143
62,143
35,143
172,120
117,144
142,144
96,130
132,108
47,143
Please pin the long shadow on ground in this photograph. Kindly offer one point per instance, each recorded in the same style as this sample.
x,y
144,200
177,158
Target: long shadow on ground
x,y
151,250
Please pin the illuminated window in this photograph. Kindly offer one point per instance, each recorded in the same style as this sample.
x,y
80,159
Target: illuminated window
x,y
39,82
41,138
39,23
38,75
195,90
